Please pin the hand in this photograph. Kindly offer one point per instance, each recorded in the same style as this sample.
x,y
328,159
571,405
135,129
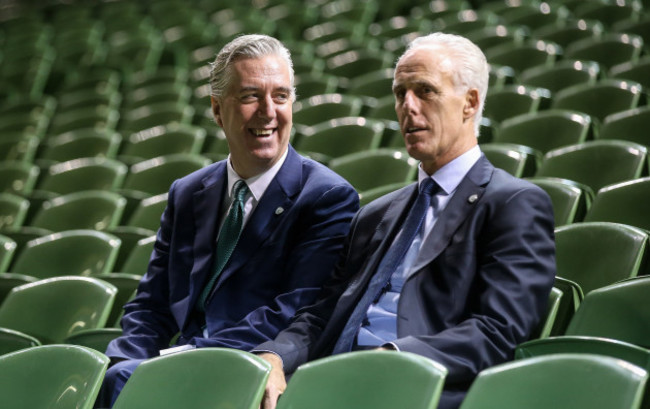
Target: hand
x,y
276,383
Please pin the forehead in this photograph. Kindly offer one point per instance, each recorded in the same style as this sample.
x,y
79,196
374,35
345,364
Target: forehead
x,y
268,70
430,62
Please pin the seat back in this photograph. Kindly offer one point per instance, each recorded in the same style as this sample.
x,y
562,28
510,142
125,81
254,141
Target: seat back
x,y
13,210
52,309
624,203
51,376
321,108
189,380
366,379
88,209
368,170
618,311
596,163
7,250
546,130
155,176
627,125
18,177
559,381
570,202
597,254
81,252
83,174
138,259
148,212
518,160
545,327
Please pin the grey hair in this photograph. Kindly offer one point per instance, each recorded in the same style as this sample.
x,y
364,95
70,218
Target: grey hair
x,y
245,46
471,67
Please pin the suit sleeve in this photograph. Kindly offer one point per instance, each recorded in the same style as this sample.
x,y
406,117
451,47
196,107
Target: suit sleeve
x,y
325,222
148,324
514,270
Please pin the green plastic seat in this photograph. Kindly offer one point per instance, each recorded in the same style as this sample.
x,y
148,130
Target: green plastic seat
x,y
321,108
241,386
513,100
570,202
523,56
308,85
366,379
12,341
155,176
18,147
22,235
138,259
83,143
163,140
627,125
465,21
52,309
601,99
160,113
51,376
148,212
10,280
595,163
622,203
7,251
24,123
18,177
545,327
617,311
496,36
545,130
572,296
89,97
638,71
147,94
597,254
355,63
342,136
129,236
97,339
88,209
500,76
368,170
608,50
383,109
563,74
83,174
376,84
79,252
585,345
369,195
535,15
569,31
609,12
559,381
98,117
518,160
13,210
126,285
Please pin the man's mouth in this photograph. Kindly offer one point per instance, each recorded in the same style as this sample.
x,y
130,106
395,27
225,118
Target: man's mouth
x,y
414,129
262,132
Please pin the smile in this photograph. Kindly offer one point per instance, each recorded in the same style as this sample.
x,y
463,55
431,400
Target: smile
x,y
262,132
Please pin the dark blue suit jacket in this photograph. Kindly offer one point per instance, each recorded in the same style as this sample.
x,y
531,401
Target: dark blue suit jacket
x,y
480,286
285,253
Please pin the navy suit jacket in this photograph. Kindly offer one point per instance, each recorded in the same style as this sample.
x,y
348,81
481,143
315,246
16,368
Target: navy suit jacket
x,y
479,287
286,251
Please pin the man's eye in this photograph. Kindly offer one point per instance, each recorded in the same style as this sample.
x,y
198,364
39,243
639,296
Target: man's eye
x,y
248,97
281,97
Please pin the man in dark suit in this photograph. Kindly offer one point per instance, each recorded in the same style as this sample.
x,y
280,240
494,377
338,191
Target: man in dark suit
x,y
472,279
290,214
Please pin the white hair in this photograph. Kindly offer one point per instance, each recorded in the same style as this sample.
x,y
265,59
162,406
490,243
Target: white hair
x,y
246,46
470,69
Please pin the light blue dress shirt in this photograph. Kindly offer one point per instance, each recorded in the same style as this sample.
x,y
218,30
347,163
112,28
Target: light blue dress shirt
x,y
380,325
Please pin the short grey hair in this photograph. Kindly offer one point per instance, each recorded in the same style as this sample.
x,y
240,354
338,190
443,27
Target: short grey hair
x,y
245,46
471,69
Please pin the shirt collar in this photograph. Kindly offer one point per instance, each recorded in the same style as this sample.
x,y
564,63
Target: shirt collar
x,y
449,176
257,184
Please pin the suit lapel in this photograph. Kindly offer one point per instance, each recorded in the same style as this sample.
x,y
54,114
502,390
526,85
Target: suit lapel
x,y
467,196
269,213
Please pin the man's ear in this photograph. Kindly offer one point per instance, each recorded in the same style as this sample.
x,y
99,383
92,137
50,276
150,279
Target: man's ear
x,y
216,110
471,103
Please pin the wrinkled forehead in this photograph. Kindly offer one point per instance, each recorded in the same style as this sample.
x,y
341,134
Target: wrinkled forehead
x,y
424,62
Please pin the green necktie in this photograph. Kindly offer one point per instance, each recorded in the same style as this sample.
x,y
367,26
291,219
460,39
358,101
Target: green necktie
x,y
228,237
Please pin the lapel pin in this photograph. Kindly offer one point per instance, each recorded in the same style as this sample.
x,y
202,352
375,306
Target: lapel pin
x,y
473,198
279,210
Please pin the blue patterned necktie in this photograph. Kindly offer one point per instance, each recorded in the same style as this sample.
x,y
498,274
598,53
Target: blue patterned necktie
x,y
227,240
389,263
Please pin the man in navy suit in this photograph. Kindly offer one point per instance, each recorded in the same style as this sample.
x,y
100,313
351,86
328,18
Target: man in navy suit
x,y
475,278
296,214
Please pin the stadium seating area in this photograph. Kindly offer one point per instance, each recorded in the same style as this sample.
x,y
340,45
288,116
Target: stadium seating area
x,y
103,103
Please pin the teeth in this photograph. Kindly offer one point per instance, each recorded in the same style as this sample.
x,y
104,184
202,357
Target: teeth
x,y
262,132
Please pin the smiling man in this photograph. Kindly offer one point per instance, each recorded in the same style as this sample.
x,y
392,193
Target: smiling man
x,y
243,243
457,267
